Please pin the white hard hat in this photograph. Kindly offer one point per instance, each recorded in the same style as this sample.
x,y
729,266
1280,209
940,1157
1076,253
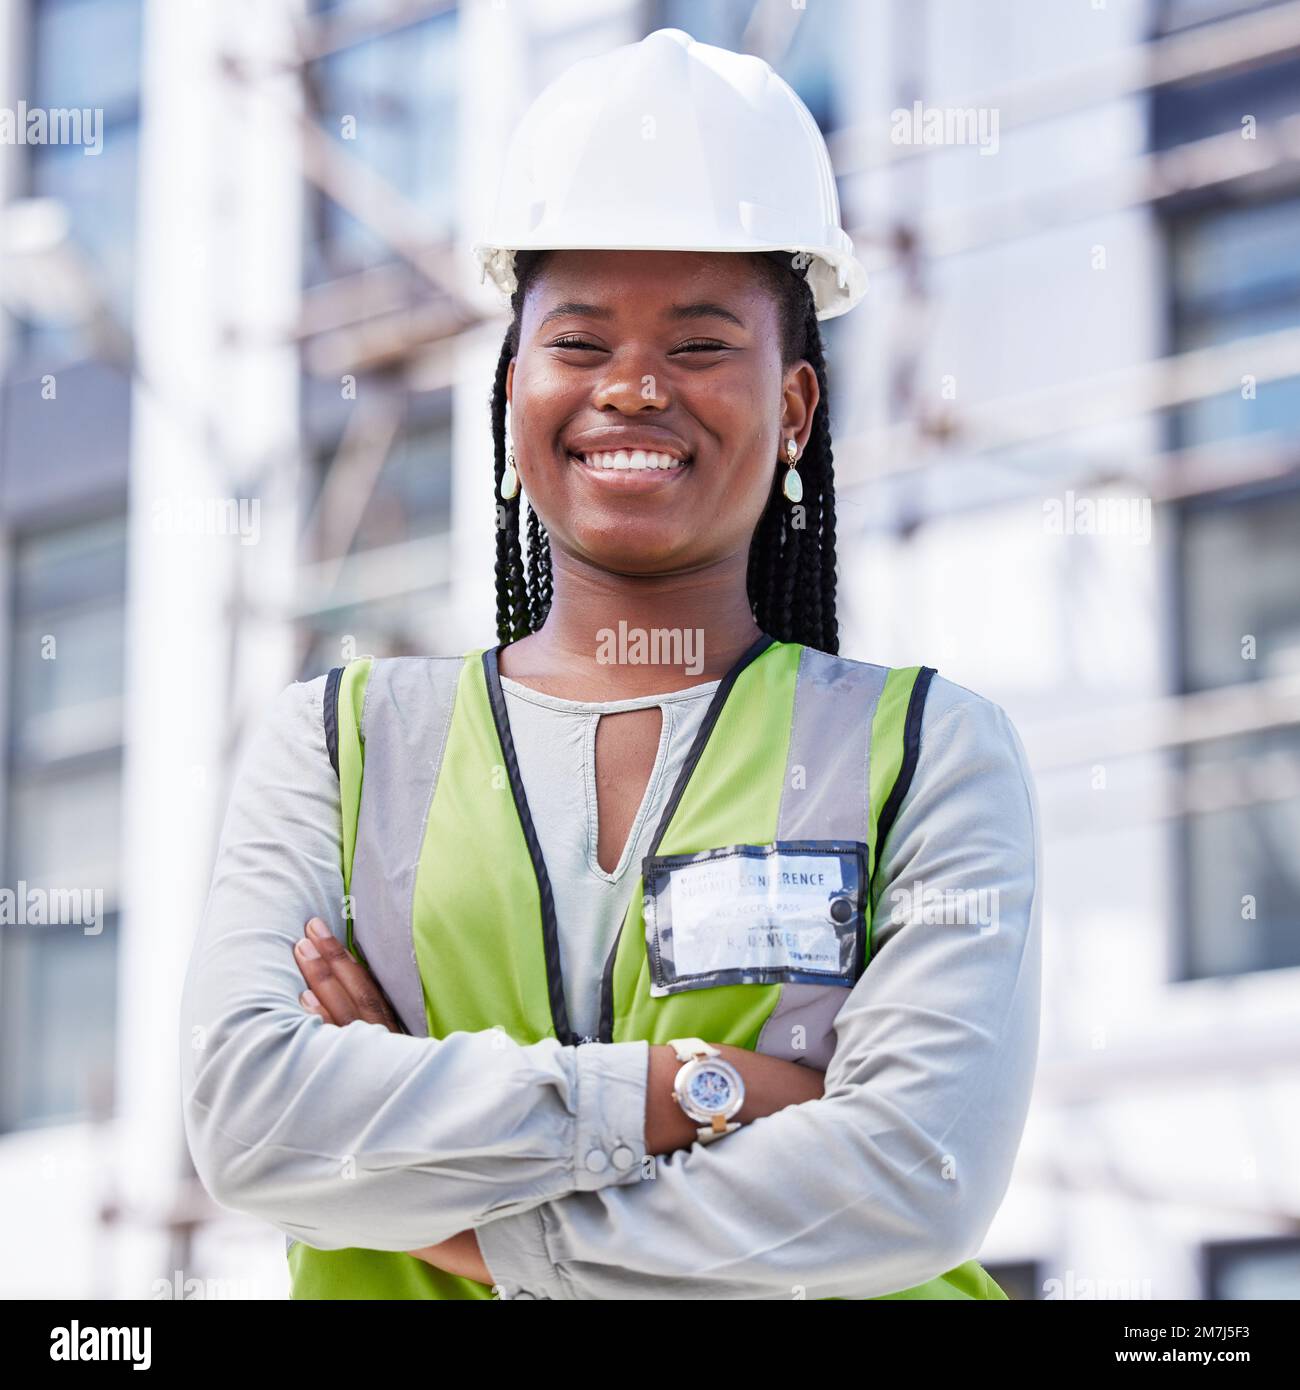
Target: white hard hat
x,y
672,145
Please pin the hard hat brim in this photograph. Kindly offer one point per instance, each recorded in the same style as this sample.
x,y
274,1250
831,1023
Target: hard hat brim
x,y
838,280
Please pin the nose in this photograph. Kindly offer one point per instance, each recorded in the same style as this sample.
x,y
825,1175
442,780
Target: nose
x,y
624,387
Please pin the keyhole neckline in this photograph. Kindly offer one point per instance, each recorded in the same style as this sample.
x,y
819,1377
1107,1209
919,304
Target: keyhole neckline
x,y
690,692
649,794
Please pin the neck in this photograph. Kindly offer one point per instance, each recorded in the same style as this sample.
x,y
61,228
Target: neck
x,y
626,635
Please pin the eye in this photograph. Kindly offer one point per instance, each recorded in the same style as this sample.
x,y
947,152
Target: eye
x,y
695,345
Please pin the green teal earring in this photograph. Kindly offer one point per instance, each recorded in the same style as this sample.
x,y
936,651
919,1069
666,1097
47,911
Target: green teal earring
x,y
793,484
510,478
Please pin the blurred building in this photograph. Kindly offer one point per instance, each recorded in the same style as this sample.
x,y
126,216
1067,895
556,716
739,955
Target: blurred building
x,y
244,376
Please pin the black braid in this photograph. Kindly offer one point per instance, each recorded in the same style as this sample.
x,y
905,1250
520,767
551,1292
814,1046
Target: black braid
x,y
532,567
791,570
511,594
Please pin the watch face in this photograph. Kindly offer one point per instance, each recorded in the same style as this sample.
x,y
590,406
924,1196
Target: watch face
x,y
711,1089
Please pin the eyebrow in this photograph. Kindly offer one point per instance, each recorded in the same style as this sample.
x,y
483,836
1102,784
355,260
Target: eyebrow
x,y
676,312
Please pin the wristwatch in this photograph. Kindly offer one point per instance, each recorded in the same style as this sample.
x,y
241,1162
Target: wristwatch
x,y
708,1089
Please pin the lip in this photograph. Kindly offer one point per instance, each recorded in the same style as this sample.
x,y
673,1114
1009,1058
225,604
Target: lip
x,y
630,480
611,441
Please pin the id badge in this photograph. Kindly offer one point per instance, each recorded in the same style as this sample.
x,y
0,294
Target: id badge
x,y
791,911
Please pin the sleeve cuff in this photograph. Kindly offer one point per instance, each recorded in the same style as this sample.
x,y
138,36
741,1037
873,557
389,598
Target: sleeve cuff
x,y
609,1149
514,1250
609,1139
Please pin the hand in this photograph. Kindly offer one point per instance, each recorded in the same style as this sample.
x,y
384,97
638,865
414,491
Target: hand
x,y
340,989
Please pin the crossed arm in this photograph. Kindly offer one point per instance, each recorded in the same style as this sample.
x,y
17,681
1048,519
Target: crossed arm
x,y
889,1179
340,990
356,1135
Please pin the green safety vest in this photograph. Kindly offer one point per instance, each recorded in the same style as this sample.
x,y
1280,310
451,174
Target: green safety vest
x,y
451,909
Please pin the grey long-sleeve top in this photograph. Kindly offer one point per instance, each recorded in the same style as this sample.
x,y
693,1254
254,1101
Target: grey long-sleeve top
x,y
891,1178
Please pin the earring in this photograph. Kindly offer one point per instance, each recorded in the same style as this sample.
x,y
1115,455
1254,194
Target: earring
x,y
793,484
510,478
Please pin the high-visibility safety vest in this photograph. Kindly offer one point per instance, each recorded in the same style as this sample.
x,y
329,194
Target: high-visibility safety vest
x,y
452,911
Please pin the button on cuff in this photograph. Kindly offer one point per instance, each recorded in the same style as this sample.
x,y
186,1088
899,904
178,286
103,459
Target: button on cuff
x,y
610,1136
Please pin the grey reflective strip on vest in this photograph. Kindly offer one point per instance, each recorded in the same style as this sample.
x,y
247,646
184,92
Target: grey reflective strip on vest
x,y
408,708
830,740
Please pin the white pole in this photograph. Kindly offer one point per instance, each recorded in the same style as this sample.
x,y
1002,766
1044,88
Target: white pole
x,y
215,404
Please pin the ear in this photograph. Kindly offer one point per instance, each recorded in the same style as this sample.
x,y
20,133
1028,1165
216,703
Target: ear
x,y
799,398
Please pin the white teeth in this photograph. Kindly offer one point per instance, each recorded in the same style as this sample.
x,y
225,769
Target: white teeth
x,y
635,459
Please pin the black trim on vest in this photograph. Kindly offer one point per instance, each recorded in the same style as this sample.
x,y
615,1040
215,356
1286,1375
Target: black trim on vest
x,y
711,715
550,928
605,1028
911,751
332,716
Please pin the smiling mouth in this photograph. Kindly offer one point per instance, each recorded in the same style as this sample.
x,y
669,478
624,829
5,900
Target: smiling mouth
x,y
630,461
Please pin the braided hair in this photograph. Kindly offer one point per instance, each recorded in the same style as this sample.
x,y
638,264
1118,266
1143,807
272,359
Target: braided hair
x,y
791,573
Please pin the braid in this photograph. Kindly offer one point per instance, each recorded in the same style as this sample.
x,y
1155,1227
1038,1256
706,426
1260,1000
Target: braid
x,y
508,583
822,587
790,575
539,570
523,600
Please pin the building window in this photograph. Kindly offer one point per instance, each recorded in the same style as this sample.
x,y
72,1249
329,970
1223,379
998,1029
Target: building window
x,y
58,977
85,54
809,58
1253,1269
412,495
389,102
1234,268
1020,1280
382,535
1240,572
1236,274
1173,15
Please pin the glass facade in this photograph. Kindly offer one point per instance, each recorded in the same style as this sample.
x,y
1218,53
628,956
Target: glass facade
x,y
1240,568
1233,276
388,101
808,62
65,625
63,817
85,55
1253,1269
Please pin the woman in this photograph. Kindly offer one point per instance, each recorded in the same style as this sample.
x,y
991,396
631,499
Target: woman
x,y
764,1066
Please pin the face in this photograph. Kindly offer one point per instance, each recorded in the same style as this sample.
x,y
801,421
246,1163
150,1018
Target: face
x,y
668,352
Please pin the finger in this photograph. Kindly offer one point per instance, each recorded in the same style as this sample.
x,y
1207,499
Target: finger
x,y
317,969
313,1005
368,999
